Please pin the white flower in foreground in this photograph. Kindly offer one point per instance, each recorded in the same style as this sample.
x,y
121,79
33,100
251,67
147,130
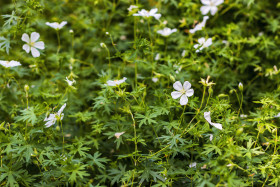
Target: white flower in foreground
x,y
56,26
202,43
157,56
210,6
70,83
208,119
116,82
166,31
200,25
183,91
192,165
152,13
10,64
154,79
53,117
32,44
118,134
132,7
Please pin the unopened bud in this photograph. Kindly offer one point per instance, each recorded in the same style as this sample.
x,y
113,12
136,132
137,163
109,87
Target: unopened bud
x,y
26,88
240,86
103,45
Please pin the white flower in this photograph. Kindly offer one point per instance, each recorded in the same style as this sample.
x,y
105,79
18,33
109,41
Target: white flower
x,y
229,165
107,33
132,7
210,6
70,83
152,13
200,25
56,26
202,44
53,117
32,44
208,119
210,137
183,53
277,116
192,165
225,42
154,79
166,31
243,115
182,91
116,82
9,64
157,56
118,134
240,86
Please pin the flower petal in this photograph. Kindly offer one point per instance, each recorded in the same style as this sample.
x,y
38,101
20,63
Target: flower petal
x,y
189,92
25,38
61,109
178,86
217,125
208,42
207,117
35,52
153,11
205,2
39,45
26,48
176,94
184,100
34,36
205,9
213,10
201,40
157,16
187,85
218,2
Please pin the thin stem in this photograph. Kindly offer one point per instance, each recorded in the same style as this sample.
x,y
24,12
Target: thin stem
x,y
62,136
135,74
58,40
135,137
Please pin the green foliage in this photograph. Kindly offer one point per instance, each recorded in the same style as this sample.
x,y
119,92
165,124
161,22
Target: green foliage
x,y
132,132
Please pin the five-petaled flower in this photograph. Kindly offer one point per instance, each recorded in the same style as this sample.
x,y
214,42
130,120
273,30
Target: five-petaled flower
x,y
54,117
202,43
208,119
116,82
200,25
146,14
166,31
56,26
210,6
32,44
183,91
10,64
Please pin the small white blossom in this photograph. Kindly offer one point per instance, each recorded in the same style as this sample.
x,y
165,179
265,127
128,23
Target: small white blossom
x,y
229,165
132,7
202,44
183,91
56,26
71,31
208,119
157,56
146,14
225,42
210,137
192,165
118,134
9,64
183,53
243,115
200,25
70,83
166,31
155,79
210,6
32,44
116,82
107,33
277,116
53,117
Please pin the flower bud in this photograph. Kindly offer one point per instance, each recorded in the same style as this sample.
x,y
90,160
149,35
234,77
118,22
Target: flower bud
x,y
103,45
57,128
240,86
172,78
26,88
210,90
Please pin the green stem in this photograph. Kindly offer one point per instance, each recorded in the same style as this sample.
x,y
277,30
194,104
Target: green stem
x,y
58,39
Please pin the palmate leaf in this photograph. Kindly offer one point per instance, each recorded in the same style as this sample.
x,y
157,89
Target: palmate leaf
x,y
77,171
5,44
11,19
27,115
97,160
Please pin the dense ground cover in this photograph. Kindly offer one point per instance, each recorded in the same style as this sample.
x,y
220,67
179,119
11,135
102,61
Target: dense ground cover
x,y
139,93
